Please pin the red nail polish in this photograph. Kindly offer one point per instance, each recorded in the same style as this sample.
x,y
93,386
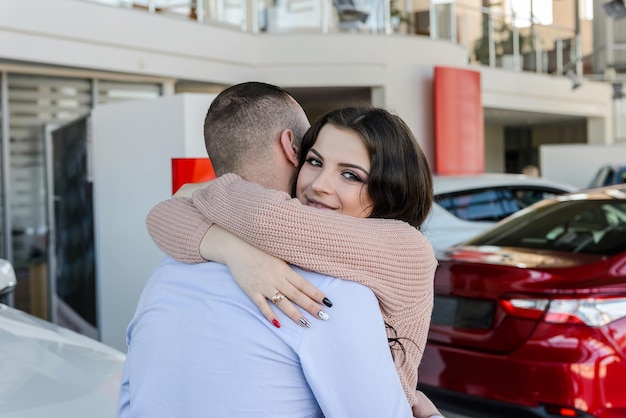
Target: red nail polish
x,y
276,323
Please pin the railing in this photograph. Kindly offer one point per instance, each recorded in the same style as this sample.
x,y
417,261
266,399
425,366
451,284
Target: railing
x,y
275,16
490,37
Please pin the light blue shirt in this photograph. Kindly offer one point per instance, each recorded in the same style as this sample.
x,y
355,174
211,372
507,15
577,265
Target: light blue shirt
x,y
199,347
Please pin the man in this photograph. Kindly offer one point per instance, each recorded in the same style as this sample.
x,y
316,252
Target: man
x,y
200,347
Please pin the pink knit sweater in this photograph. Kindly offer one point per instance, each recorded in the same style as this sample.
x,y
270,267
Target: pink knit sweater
x,y
390,257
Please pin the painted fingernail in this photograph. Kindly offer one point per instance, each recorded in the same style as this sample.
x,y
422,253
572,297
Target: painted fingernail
x,y
323,316
327,302
276,323
305,323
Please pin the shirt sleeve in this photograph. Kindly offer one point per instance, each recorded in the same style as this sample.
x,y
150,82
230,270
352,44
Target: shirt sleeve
x,y
347,361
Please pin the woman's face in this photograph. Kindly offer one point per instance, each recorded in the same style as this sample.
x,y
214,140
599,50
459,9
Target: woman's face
x,y
335,173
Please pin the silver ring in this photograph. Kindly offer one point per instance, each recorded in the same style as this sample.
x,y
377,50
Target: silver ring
x,y
277,298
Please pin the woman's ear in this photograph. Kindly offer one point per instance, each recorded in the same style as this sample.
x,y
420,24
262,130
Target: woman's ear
x,y
288,145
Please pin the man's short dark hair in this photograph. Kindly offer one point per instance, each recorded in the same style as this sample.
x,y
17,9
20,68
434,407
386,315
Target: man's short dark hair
x,y
244,120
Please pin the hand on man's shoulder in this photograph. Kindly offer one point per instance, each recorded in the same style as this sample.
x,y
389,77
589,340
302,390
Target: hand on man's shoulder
x,y
187,189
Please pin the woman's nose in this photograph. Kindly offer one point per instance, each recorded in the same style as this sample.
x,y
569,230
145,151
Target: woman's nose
x,y
322,183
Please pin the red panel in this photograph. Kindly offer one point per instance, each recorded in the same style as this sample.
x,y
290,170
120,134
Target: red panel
x,y
459,123
190,170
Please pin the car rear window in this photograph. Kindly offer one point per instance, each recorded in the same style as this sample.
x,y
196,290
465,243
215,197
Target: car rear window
x,y
608,175
585,226
492,204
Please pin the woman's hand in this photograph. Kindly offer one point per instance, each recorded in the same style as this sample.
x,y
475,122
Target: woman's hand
x,y
187,189
263,277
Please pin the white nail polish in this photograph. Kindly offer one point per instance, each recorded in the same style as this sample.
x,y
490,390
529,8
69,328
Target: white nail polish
x,y
305,323
323,316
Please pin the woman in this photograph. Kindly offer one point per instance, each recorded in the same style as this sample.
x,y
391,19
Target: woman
x,y
355,163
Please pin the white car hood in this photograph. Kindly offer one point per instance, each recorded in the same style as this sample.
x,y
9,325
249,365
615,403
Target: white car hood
x,y
445,230
49,371
7,276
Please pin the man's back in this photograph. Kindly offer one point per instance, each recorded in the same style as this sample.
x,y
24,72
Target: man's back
x,y
198,346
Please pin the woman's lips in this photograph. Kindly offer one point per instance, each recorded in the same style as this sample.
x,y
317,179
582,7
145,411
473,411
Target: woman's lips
x,y
317,204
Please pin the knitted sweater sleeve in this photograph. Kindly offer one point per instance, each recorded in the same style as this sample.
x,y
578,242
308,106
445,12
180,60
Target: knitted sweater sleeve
x,y
177,228
392,258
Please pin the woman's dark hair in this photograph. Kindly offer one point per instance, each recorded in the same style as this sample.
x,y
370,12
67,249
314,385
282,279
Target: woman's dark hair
x,y
400,182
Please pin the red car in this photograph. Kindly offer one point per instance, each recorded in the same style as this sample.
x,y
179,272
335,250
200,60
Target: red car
x,y
530,316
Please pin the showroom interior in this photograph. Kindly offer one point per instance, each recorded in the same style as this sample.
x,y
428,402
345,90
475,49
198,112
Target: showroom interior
x,y
549,73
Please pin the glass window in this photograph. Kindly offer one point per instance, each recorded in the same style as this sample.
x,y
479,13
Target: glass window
x,y
622,175
541,12
36,104
602,177
608,175
480,205
527,196
585,226
118,91
493,204
586,9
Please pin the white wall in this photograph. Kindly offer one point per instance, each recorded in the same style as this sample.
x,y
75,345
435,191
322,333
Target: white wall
x,y
543,93
133,144
576,164
403,66
92,36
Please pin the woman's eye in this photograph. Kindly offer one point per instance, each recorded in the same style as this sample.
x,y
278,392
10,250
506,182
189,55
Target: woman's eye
x,y
314,162
351,176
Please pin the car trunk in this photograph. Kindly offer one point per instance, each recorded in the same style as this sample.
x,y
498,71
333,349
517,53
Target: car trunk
x,y
473,286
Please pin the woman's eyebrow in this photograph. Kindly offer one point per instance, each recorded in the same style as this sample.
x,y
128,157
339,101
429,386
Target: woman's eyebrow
x,y
317,154
358,167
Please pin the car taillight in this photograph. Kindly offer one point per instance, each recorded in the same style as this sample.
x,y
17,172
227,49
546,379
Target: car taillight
x,y
525,308
562,411
590,311
593,312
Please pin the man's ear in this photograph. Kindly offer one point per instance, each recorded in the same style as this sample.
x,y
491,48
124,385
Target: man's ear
x,y
287,143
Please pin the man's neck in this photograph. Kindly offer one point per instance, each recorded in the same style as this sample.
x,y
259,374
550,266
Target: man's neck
x,y
269,179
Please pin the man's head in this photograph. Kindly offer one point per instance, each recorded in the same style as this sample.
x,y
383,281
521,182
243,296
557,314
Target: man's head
x,y
531,171
253,129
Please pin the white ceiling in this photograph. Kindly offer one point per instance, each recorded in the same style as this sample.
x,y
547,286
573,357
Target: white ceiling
x,y
518,118
331,97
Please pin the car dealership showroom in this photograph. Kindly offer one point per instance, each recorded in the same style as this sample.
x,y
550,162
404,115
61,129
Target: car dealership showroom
x,y
517,105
